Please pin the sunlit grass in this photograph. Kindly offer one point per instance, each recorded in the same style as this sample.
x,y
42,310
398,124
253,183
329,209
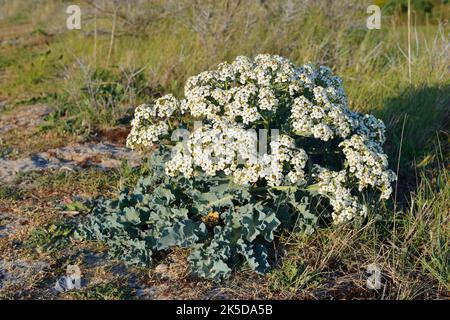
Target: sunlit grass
x,y
40,60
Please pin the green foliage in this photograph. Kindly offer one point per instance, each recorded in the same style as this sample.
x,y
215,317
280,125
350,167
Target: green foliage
x,y
77,206
50,238
292,276
108,291
11,192
101,97
105,89
222,224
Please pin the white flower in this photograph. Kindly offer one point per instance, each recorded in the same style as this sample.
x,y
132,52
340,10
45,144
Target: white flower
x,y
368,164
332,184
267,99
166,106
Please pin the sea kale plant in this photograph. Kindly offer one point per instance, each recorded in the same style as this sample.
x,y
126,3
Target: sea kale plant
x,y
255,147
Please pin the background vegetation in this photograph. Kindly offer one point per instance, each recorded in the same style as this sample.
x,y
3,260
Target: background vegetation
x,y
128,52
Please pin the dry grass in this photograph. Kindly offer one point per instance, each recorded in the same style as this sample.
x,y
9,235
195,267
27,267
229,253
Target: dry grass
x,y
156,45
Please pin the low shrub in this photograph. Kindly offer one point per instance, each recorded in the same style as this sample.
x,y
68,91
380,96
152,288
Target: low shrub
x,y
219,192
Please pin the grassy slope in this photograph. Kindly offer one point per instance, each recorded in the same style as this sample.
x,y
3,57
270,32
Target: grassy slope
x,y
408,238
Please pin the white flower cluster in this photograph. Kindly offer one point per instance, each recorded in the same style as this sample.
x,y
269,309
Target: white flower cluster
x,y
324,121
332,184
309,106
368,163
150,121
372,128
233,150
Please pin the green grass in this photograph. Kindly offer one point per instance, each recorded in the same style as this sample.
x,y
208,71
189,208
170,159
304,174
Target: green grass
x,y
109,291
292,277
155,52
168,51
49,238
